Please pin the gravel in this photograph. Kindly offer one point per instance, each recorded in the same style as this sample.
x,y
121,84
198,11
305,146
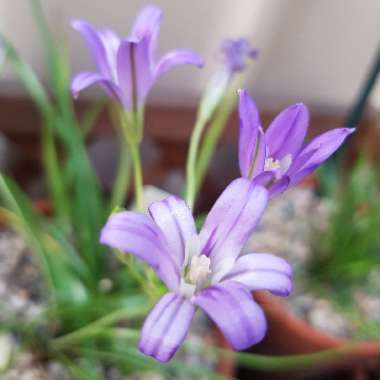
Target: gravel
x,y
22,297
286,230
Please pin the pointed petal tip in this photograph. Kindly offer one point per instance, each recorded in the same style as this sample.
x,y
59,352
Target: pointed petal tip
x,y
348,130
77,24
151,8
299,107
200,62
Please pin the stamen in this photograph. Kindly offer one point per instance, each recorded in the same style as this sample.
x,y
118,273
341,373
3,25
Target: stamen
x,y
271,164
199,270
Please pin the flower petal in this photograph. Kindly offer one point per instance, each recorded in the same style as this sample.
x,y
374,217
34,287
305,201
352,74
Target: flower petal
x,y
95,44
86,79
286,133
251,142
176,222
166,327
316,152
262,271
279,187
134,73
231,307
136,233
147,25
175,58
231,221
111,43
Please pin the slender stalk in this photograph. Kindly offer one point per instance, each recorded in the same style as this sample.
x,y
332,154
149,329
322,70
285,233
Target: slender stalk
x,y
131,126
53,174
212,137
96,327
191,162
137,176
255,361
120,187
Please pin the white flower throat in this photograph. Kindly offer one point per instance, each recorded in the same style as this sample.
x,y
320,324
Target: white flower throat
x,y
278,166
196,268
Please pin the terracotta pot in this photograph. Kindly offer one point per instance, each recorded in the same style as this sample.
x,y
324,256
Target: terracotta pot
x,y
289,335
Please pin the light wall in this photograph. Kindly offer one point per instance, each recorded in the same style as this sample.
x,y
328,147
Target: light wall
x,y
312,51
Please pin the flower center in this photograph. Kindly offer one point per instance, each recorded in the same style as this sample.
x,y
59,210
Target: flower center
x,y
280,167
271,164
199,270
196,268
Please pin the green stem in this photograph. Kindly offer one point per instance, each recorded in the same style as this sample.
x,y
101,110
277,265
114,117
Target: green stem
x,y
191,162
120,187
146,282
53,173
137,175
268,363
212,137
97,326
131,127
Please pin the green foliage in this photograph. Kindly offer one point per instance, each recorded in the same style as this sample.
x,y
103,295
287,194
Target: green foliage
x,y
66,244
349,249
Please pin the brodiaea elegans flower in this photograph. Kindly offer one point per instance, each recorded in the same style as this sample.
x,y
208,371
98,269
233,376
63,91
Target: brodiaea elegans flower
x,y
277,158
126,69
202,270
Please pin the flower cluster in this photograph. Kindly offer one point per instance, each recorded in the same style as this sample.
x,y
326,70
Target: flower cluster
x,y
205,269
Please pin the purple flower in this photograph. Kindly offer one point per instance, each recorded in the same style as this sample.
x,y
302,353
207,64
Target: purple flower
x,y
202,269
126,69
277,158
236,52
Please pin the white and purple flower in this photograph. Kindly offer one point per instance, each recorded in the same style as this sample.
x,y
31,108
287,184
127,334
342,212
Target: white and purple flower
x,y
202,270
277,158
126,69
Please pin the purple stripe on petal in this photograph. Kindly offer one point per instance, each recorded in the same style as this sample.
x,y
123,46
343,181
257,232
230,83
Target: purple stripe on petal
x,y
166,327
125,72
316,152
238,316
95,45
176,222
262,271
251,142
175,58
136,233
286,133
232,220
133,69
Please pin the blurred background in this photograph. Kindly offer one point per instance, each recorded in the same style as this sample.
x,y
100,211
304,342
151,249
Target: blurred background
x,y
317,52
